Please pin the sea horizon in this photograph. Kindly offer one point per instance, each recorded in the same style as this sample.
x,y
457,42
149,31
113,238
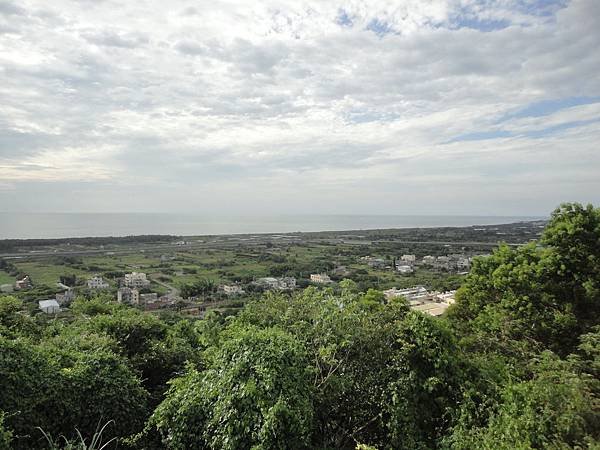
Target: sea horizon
x,y
54,225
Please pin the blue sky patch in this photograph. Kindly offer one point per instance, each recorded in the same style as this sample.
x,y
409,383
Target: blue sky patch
x,y
480,136
481,25
533,134
343,19
379,27
547,107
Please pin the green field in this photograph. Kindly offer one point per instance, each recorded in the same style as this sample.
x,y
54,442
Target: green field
x,y
6,278
47,273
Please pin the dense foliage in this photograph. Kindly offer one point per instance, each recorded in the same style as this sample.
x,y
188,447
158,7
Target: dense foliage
x,y
515,364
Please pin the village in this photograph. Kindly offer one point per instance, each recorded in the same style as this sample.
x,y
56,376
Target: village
x,y
135,288
192,276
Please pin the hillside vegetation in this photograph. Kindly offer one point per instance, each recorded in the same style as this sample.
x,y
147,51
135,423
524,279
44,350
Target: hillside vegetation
x,y
515,364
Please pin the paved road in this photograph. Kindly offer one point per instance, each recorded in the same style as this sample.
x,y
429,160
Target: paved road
x,y
173,291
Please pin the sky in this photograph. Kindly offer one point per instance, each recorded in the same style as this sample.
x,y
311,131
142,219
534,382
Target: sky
x,y
287,106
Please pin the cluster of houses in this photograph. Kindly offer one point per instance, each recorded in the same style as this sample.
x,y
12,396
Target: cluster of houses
x,y
456,262
420,299
406,263
276,284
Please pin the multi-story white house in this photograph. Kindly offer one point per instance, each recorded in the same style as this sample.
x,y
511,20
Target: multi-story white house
x,y
97,283
408,259
428,260
136,280
232,289
128,295
321,278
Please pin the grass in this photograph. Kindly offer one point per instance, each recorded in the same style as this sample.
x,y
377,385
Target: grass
x,y
47,273
6,278
223,265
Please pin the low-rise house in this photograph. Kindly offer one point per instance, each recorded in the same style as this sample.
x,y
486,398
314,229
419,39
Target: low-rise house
x,y
415,293
373,262
97,282
147,299
49,306
420,299
428,260
65,297
408,260
128,295
404,269
445,297
136,280
463,263
23,283
161,302
232,289
279,284
442,262
321,278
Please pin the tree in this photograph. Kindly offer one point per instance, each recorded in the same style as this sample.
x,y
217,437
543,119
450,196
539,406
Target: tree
x,y
5,435
66,384
543,296
555,408
256,394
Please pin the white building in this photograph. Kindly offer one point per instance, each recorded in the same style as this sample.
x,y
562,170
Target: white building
x,y
428,260
442,262
136,280
232,289
280,284
404,269
414,293
463,263
128,295
320,278
49,306
408,259
445,297
97,283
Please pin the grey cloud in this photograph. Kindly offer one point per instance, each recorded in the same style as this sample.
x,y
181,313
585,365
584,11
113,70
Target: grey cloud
x,y
11,9
111,38
177,100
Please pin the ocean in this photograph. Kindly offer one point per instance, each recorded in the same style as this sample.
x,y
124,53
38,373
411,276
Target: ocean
x,y
63,225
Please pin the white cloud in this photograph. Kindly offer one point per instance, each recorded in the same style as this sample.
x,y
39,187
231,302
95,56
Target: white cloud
x,y
350,101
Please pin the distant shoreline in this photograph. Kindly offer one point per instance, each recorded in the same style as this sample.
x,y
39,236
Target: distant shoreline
x,y
169,238
52,226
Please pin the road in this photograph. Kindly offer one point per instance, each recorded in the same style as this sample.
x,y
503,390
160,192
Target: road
x,y
173,291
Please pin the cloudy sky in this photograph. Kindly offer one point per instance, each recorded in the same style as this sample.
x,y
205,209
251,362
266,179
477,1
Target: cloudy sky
x,y
356,106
